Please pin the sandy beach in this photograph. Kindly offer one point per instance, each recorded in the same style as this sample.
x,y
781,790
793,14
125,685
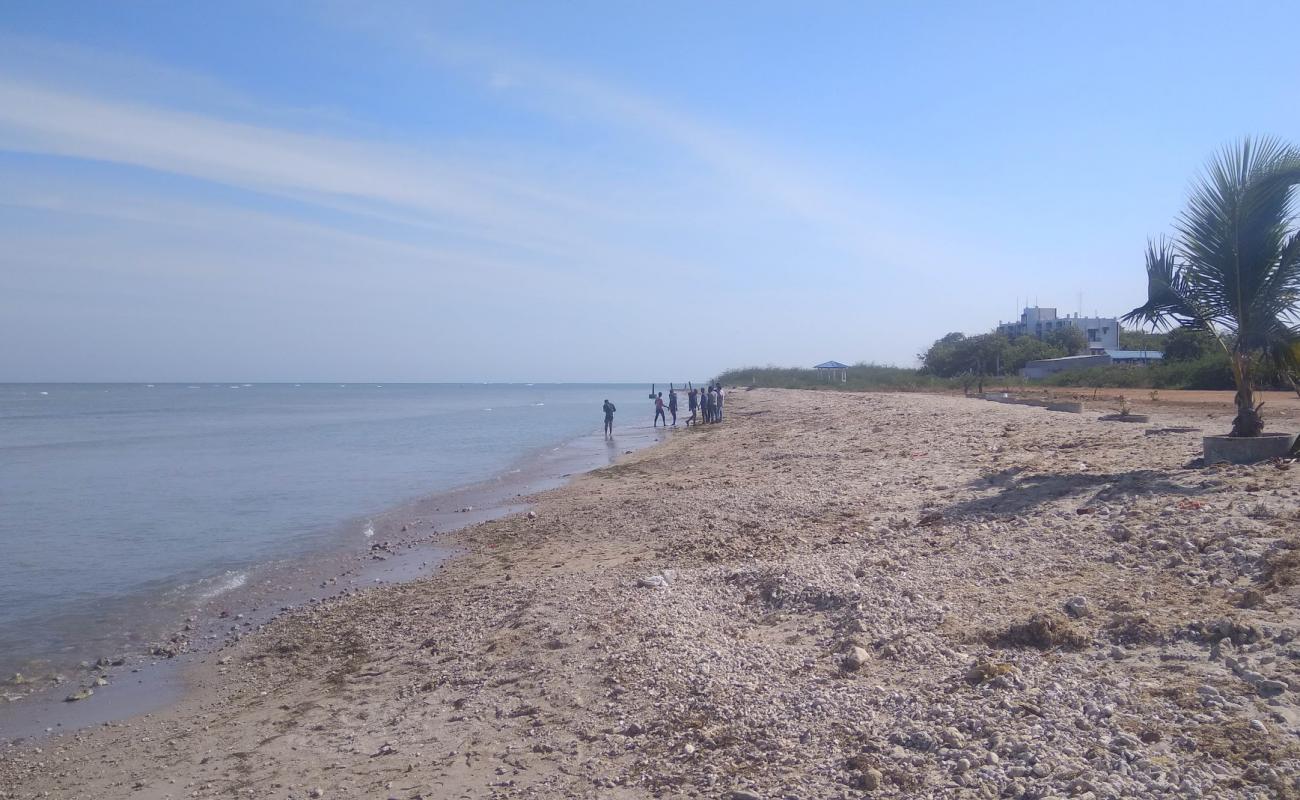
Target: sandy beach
x,y
828,595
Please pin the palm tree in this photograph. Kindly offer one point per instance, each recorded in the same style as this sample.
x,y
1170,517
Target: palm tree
x,y
1232,268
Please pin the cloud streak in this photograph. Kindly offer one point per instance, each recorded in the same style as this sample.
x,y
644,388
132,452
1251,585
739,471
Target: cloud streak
x,y
365,178
868,230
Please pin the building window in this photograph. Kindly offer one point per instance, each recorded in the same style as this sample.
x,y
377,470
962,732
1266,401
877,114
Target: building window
x,y
1094,335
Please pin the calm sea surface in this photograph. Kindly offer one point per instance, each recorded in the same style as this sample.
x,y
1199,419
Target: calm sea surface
x,y
112,496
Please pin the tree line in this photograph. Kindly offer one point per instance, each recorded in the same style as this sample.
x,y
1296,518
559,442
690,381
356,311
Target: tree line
x,y
973,359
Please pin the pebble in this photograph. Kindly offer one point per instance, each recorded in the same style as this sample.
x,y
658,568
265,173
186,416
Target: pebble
x,y
854,659
1078,607
871,779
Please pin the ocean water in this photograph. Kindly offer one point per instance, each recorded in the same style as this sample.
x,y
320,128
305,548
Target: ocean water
x,y
114,497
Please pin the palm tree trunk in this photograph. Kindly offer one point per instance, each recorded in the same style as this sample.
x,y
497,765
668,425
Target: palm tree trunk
x,y
1248,421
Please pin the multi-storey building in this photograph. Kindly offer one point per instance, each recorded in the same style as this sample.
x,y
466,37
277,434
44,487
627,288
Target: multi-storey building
x,y
1102,333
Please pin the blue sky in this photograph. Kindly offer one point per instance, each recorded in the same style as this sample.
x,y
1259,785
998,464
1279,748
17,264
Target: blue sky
x,y
479,191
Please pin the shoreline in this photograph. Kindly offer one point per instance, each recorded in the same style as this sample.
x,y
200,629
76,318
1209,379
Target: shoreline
x,y
827,595
397,544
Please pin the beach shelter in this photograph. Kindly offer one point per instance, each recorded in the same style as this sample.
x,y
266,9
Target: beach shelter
x,y
833,370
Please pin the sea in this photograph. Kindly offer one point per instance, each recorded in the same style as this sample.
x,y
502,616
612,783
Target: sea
x,y
124,506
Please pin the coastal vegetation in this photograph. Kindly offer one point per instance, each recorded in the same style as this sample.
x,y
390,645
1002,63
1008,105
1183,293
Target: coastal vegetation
x,y
1232,269
976,358
859,377
1192,360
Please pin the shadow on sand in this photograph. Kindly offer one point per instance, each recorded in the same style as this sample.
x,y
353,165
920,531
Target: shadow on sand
x,y
1020,492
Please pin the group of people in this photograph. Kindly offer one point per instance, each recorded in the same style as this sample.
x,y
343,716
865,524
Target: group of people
x,y
705,405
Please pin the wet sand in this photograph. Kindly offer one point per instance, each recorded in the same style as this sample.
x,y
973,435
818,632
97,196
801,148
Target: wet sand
x,y
828,595
392,546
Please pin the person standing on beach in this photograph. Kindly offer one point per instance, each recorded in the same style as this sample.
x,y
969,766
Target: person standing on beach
x,y
672,406
693,403
719,402
707,403
609,419
659,411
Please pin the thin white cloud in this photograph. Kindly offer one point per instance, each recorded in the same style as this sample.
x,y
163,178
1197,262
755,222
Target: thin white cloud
x,y
588,236
790,182
363,177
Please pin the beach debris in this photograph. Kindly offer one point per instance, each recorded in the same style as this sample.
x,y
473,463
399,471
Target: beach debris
x,y
1078,607
82,694
661,581
1042,631
19,679
985,670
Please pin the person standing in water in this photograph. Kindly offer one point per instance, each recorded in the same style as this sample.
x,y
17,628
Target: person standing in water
x,y
609,419
659,411
672,406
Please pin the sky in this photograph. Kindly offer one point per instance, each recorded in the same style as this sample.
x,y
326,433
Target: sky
x,y
568,191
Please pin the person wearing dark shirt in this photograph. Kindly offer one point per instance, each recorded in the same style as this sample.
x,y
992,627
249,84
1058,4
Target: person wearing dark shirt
x,y
672,405
693,403
609,419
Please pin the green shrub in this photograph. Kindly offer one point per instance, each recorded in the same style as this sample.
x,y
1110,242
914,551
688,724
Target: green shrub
x,y
861,377
1207,372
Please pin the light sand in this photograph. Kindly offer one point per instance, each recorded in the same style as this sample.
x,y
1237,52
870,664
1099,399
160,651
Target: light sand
x,y
849,579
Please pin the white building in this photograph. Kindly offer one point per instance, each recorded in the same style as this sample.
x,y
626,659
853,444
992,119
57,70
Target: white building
x,y
1102,333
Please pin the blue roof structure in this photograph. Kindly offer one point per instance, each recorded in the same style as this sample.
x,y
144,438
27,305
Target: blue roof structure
x,y
832,365
1136,355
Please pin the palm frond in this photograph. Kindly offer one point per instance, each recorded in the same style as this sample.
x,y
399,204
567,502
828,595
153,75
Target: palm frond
x,y
1169,301
1237,252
